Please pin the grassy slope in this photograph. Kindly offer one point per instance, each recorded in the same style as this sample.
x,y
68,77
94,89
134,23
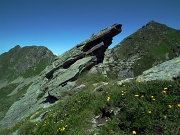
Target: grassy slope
x,y
138,110
145,108
152,43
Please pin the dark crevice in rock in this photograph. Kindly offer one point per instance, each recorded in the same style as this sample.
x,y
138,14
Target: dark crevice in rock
x,y
70,80
106,112
50,74
50,99
71,61
90,45
94,48
64,84
74,78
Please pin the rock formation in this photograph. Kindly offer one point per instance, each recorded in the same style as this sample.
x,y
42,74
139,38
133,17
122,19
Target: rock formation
x,y
149,46
168,70
60,75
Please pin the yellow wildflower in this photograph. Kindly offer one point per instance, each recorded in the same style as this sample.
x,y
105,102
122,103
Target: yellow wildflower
x,y
142,96
62,129
136,95
164,91
108,99
134,132
149,112
170,106
152,98
122,94
106,120
165,88
139,81
178,105
111,111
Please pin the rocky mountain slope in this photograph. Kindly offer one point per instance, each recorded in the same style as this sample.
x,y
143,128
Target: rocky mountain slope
x,y
19,61
47,88
18,69
79,68
150,45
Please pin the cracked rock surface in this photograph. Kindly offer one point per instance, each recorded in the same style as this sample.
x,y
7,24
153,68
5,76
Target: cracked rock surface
x,y
59,77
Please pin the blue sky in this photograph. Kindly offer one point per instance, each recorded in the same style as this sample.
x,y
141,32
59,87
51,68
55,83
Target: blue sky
x,y
61,24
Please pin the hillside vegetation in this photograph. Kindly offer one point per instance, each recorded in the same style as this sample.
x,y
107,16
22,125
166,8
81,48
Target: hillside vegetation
x,y
89,103
132,108
27,61
152,44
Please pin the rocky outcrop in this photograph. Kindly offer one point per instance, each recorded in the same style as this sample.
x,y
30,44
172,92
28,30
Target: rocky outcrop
x,y
60,75
168,70
149,46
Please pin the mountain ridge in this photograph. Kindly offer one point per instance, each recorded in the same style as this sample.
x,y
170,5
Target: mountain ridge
x,y
18,60
154,42
82,66
18,69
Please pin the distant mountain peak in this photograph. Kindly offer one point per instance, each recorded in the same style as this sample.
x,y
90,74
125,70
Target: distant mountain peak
x,y
17,46
17,61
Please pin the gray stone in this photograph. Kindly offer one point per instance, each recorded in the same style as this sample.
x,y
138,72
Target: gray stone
x,y
80,87
14,133
60,76
100,88
120,83
164,71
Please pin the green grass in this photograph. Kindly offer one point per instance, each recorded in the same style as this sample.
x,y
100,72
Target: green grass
x,y
91,78
160,49
150,108
153,42
36,69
